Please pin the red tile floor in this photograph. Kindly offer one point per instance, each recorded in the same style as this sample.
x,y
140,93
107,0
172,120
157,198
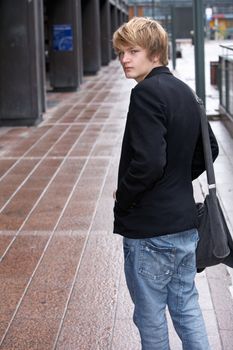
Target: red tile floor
x,y
60,263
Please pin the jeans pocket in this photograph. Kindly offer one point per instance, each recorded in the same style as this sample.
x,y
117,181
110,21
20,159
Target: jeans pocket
x,y
156,262
126,250
189,260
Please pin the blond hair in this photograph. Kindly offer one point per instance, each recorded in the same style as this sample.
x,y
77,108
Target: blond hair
x,y
146,33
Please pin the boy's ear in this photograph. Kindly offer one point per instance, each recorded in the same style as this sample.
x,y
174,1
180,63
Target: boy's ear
x,y
155,59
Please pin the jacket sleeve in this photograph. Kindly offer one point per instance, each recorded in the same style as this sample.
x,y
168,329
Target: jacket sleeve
x,y
198,162
147,133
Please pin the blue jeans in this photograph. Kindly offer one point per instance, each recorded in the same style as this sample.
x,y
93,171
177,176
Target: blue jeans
x,y
160,272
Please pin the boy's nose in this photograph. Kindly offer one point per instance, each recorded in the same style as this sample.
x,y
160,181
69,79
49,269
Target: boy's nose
x,y
125,57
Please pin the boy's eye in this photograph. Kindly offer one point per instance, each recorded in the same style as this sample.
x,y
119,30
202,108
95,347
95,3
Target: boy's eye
x,y
134,51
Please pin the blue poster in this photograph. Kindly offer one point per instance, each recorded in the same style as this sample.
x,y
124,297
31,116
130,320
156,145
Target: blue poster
x,y
62,37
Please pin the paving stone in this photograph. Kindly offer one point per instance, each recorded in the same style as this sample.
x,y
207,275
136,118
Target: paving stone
x,y
90,316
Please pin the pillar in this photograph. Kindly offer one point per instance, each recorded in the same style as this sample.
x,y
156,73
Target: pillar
x,y
41,43
113,12
65,52
91,36
119,17
173,36
198,19
22,98
105,31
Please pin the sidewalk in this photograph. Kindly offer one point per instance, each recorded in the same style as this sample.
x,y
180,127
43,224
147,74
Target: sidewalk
x,y
61,280
216,292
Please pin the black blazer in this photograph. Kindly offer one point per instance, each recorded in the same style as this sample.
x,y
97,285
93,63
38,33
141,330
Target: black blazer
x,y
161,154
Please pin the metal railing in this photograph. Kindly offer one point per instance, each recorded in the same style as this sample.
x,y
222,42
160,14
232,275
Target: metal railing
x,y
225,81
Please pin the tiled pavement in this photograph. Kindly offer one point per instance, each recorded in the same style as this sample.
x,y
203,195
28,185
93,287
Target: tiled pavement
x,y
61,280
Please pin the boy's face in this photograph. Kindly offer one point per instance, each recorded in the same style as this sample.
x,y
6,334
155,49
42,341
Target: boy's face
x,y
136,63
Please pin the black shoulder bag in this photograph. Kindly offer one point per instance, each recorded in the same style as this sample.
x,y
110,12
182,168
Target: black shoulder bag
x,y
215,244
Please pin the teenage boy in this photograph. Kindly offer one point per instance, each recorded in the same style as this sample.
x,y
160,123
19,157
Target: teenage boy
x,y
154,208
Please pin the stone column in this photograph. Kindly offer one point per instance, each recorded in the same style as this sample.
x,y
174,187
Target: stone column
x,y
65,52
114,24
119,18
105,31
91,36
22,99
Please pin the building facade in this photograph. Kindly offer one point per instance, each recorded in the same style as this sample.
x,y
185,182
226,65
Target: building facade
x,y
46,42
218,19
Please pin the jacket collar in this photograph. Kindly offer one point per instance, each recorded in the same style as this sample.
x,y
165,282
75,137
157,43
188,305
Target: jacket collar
x,y
158,70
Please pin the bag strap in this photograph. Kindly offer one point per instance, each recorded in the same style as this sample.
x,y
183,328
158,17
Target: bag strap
x,y
207,147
